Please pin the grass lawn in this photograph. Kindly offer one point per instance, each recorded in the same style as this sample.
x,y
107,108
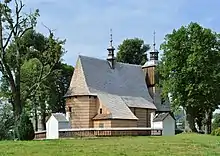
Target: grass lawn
x,y
179,145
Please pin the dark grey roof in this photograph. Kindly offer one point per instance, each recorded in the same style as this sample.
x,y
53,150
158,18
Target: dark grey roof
x,y
118,88
160,116
161,106
60,117
124,80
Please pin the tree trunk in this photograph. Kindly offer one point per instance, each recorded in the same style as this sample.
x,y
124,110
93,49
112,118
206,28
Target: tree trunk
x,y
43,114
190,121
208,122
199,123
35,116
43,120
17,105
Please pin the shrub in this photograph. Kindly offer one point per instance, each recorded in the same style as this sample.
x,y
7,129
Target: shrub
x,y
178,131
6,122
216,132
216,121
25,129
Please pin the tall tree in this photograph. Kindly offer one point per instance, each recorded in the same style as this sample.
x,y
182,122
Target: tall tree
x,y
16,55
133,51
59,86
50,96
37,61
13,25
190,70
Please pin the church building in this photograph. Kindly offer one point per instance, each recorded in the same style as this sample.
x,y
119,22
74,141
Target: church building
x,y
107,93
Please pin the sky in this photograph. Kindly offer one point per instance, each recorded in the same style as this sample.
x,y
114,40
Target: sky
x,y
86,24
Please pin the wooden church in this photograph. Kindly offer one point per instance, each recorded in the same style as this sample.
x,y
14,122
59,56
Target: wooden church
x,y
107,93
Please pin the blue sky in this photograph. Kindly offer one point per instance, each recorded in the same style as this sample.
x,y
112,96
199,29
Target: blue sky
x,y
85,24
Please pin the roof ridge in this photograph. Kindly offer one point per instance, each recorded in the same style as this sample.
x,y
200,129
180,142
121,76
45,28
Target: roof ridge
x,y
129,64
80,56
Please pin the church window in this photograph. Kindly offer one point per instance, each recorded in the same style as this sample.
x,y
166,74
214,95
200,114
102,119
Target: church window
x,y
70,109
101,125
134,111
100,110
163,101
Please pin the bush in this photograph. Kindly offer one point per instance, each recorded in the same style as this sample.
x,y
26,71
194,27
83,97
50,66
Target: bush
x,y
6,122
25,129
216,132
178,131
216,121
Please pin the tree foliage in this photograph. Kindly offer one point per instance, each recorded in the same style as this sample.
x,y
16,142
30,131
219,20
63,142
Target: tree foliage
x,y
190,70
6,121
13,25
49,97
59,84
216,121
27,58
132,51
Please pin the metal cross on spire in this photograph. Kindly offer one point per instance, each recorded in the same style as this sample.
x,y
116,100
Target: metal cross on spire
x,y
111,57
111,40
110,48
154,44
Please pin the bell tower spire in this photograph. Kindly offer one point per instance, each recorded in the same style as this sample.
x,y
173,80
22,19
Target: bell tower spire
x,y
154,52
154,44
111,49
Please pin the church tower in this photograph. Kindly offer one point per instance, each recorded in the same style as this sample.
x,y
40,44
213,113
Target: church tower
x,y
149,69
152,78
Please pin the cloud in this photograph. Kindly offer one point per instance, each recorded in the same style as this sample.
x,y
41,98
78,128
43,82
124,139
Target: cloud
x,y
85,24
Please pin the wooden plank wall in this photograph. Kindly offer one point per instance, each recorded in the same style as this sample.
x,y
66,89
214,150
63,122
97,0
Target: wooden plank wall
x,y
143,115
115,123
107,123
151,79
92,109
83,109
123,123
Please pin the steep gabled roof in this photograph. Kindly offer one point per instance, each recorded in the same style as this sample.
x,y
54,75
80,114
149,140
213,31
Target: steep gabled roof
x,y
117,107
118,88
162,116
78,84
60,117
102,116
124,80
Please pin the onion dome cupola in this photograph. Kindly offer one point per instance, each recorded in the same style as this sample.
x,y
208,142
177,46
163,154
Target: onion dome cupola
x,y
153,56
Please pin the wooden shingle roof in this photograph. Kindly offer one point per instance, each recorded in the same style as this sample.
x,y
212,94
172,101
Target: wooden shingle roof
x,y
118,88
60,117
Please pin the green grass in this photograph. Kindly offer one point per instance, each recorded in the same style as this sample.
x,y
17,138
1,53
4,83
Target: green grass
x,y
179,145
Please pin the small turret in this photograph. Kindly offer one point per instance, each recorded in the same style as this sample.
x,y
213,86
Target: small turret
x,y
154,52
111,55
153,56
